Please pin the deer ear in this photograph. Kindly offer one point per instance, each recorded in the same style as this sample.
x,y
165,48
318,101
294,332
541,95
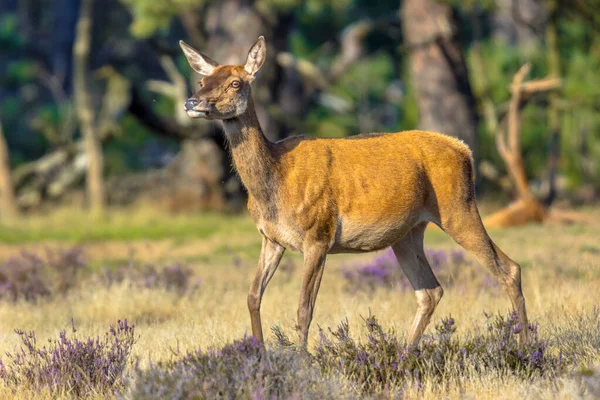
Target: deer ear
x,y
256,56
199,62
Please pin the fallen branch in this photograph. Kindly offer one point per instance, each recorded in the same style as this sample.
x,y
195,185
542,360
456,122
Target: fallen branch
x,y
526,208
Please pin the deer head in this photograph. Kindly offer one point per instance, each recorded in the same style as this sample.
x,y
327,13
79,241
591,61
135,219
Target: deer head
x,y
225,89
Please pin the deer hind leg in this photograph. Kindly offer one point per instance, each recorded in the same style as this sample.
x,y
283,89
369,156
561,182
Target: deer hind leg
x,y
466,228
270,256
411,257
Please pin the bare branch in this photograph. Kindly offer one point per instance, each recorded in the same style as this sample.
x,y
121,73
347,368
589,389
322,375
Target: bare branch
x,y
8,205
162,87
115,101
535,86
352,48
85,110
309,71
514,161
176,89
536,24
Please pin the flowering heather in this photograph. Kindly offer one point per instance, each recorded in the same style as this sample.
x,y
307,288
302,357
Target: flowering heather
x,y
383,360
384,271
69,365
176,277
31,276
242,369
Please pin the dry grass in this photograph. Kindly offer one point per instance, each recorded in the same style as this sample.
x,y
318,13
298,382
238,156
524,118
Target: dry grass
x,y
561,278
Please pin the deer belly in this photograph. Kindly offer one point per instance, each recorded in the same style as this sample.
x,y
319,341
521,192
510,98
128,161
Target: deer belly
x,y
360,236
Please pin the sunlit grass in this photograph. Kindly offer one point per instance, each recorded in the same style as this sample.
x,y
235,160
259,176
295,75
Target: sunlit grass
x,y
75,225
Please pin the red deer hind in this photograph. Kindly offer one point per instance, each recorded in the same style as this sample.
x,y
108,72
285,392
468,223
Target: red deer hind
x,y
358,194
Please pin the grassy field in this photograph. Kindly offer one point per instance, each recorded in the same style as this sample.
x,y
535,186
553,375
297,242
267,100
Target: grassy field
x,y
561,281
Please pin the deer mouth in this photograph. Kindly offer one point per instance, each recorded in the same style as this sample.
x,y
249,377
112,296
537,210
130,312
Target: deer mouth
x,y
197,114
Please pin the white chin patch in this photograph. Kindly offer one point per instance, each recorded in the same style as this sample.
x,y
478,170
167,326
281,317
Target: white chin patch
x,y
195,114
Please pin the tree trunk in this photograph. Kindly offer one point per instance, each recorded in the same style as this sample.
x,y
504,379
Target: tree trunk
x,y
225,30
517,22
83,104
8,204
438,70
553,57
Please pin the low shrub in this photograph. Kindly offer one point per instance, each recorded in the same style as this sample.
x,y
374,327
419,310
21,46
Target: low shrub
x,y
69,365
31,276
383,362
175,277
242,369
344,367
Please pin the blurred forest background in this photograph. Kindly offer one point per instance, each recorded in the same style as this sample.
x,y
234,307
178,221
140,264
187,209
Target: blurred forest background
x,y
92,93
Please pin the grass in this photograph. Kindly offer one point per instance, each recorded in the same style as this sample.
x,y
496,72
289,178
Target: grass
x,y
561,277
123,225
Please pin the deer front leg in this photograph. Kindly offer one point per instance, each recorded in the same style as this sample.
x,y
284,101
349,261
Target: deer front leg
x,y
314,264
270,255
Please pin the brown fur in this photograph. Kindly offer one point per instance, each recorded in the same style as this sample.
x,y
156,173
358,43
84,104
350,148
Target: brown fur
x,y
359,194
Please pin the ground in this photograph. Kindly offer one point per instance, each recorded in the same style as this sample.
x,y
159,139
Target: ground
x,y
561,279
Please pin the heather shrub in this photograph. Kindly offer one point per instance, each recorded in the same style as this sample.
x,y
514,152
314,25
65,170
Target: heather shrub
x,y
383,361
70,365
241,370
451,267
176,277
31,276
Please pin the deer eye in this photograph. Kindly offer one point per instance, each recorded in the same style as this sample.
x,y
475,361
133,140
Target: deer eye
x,y
235,84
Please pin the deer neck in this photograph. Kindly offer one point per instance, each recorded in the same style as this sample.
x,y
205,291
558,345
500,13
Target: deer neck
x,y
252,154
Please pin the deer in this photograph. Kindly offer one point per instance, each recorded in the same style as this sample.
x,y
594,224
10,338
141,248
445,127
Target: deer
x,y
362,193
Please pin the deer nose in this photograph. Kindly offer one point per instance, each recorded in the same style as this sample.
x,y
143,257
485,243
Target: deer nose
x,y
190,104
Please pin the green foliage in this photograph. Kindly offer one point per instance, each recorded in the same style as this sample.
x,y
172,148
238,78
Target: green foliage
x,y
9,106
410,107
363,86
469,5
367,79
9,39
578,101
20,72
152,16
122,155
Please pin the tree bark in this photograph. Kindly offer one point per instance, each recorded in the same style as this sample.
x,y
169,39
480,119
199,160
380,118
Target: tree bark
x,y
8,204
518,22
438,70
83,104
553,57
